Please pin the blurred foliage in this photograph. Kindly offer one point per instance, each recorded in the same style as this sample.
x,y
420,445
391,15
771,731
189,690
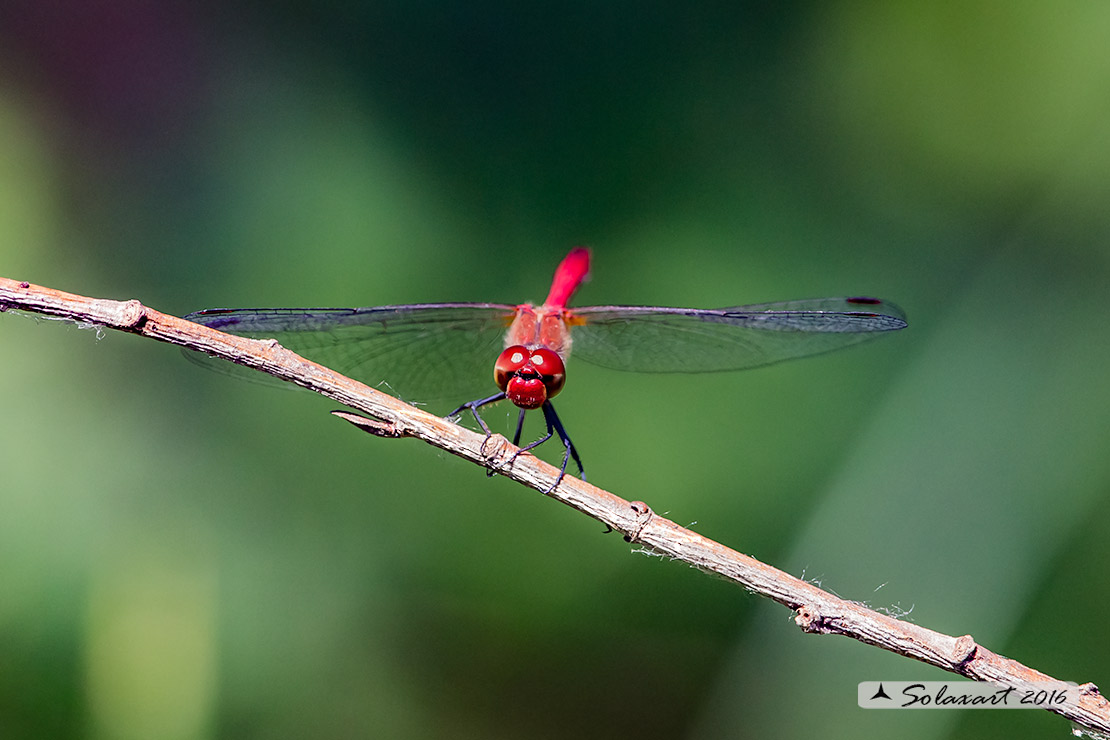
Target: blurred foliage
x,y
185,556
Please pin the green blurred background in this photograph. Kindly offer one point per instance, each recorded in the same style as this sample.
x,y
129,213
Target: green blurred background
x,y
186,556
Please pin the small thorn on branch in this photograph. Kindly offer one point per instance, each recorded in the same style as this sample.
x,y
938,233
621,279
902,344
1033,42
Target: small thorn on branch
x,y
645,514
132,314
964,650
809,618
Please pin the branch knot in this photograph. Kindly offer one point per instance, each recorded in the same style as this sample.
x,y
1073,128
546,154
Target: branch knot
x,y
810,619
645,515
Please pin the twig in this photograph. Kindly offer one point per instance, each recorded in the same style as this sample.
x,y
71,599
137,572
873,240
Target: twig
x,y
816,611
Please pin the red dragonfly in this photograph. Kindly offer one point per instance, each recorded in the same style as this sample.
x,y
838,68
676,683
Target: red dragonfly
x,y
432,351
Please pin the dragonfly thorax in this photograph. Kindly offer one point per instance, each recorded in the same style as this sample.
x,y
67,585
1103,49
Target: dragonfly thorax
x,y
529,377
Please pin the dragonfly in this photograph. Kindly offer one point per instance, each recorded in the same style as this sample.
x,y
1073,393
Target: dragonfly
x,y
440,351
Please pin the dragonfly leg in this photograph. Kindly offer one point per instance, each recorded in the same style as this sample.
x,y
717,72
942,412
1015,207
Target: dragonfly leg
x,y
530,445
516,440
474,406
554,426
553,423
519,428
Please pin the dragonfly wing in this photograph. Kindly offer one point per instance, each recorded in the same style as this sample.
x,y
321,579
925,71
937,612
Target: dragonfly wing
x,y
679,340
421,352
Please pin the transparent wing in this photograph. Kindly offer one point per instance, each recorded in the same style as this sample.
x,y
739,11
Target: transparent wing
x,y
423,352
686,340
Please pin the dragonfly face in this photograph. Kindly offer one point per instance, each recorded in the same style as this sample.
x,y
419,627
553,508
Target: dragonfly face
x,y
529,377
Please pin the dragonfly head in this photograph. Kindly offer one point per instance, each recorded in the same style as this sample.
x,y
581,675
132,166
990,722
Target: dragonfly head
x,y
529,377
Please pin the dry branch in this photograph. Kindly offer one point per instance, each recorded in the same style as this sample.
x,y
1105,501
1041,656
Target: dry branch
x,y
816,611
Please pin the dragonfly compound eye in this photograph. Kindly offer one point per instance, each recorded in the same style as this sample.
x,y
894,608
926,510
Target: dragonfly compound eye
x,y
508,362
551,369
529,377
